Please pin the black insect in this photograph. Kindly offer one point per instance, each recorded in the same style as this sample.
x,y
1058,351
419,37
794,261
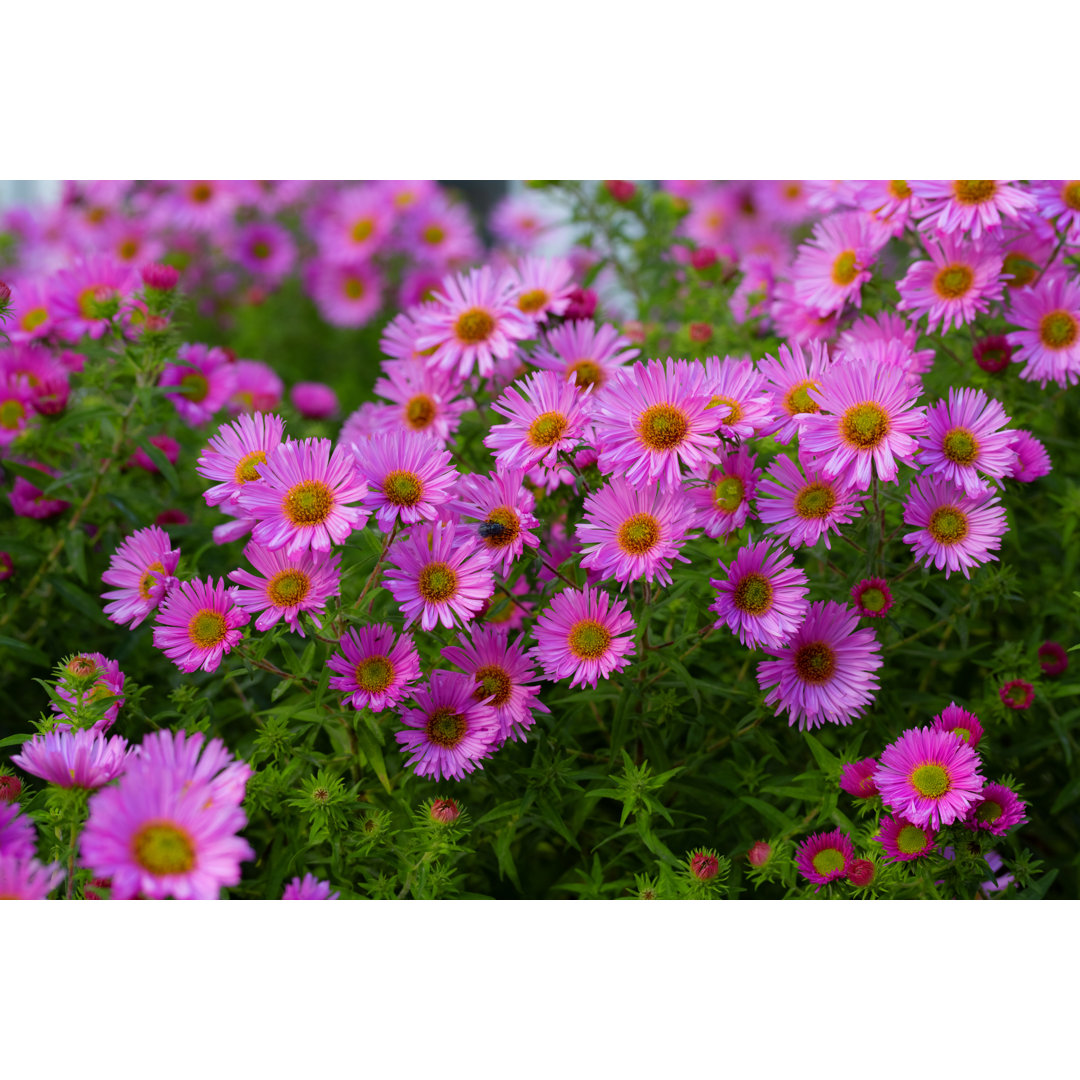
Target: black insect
x,y
493,530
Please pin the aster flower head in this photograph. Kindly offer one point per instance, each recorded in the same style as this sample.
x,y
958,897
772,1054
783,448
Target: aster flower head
x,y
314,400
930,777
998,811
26,878
542,287
198,623
790,377
895,335
449,733
285,586
763,596
966,442
592,354
992,353
16,408
736,384
723,502
1053,659
347,294
310,888
1017,695
143,569
903,840
583,634
952,530
857,778
375,669
959,722
872,597
969,206
256,388
203,380
439,573
425,401
18,837
1048,341
1059,201
1032,460
825,671
630,532
803,509
86,295
357,223
504,505
233,453
32,314
82,759
831,268
28,500
265,249
825,856
194,761
440,233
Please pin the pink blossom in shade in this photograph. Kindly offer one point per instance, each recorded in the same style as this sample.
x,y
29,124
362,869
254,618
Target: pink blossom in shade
x,y
795,322
1032,460
1058,201
449,733
171,517
966,441
953,531
314,400
204,379
930,777
51,396
256,388
84,292
825,856
27,879
542,287
545,415
789,377
142,569
165,443
784,201
583,634
582,304
440,233
504,506
34,367
1048,341
959,722
408,477
232,455
896,339
970,206
32,315
303,501
993,353
959,281
521,220
16,408
265,249
762,597
475,323
998,811
825,670
735,383
872,598
903,840
592,354
357,224
375,669
419,285
361,425
857,778
286,586
630,532
79,759
109,683
1053,659
439,573
198,623
507,609
803,509
18,837
831,268
348,295
1018,694
723,502
424,401
310,888
28,500
501,673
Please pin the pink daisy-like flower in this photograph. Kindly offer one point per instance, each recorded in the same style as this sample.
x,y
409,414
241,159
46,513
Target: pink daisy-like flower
x,y
303,500
592,354
895,333
857,778
347,294
972,206
763,597
630,532
789,379
310,888
425,401
204,382
33,310
439,573
583,634
889,201
542,287
501,672
520,220
409,477
903,840
825,856
200,205
374,669
1053,659
735,383
1025,252
797,323
964,441
194,761
961,723
1032,460
27,879
546,415
288,586
723,502
314,400
1059,201
256,388
504,505
18,837
657,418
474,323
1048,341
825,671
109,682
958,282
357,224
16,408
165,443
143,568
868,418
805,508
953,530
87,294
82,759
198,623
28,500
1017,694
998,810
441,233
232,454
831,268
449,733
872,597
930,777
265,249
398,341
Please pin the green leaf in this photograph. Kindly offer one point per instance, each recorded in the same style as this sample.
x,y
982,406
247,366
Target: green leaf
x,y
1038,890
17,740
827,761
367,742
770,813
25,652
75,546
40,479
80,600
164,465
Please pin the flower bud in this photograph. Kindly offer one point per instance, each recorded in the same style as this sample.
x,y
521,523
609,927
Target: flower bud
x,y
582,304
861,873
1053,659
313,400
759,853
445,811
10,788
160,276
5,293
704,866
702,258
51,395
171,517
992,354
1017,694
700,332
622,191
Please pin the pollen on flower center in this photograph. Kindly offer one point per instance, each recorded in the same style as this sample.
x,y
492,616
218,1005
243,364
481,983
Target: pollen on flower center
x,y
844,268
163,848
1021,267
911,840
547,428
930,781
728,495
207,628
828,861
493,682
438,582
202,193
402,488
363,229
308,503
474,326
663,427
433,234
288,587
11,412
948,525
899,189
587,372
753,595
952,282
194,386
815,500
873,599
34,318
815,663
353,288
374,674
245,467
865,425
973,192
1070,194
511,527
588,639
1058,330
988,811
446,728
148,581
798,400
419,412
960,446
639,534
532,301
734,408
260,249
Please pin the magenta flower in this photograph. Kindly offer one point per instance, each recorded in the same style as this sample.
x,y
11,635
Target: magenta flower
x,y
28,500
805,508
204,380
1017,694
198,623
723,502
265,249
872,597
790,379
424,400
18,837
143,569
1059,201
903,840
964,441
314,400
831,268
1032,460
286,586
959,722
972,206
16,408
356,224
374,670
825,856
27,879
190,759
592,354
998,810
440,233
894,338
736,384
505,506
347,294
256,388
309,889
82,759
857,778
33,311
1048,341
1053,659
233,454
86,295
542,287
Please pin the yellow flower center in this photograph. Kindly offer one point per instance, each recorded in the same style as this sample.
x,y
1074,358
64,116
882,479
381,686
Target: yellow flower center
x,y
953,281
865,425
872,598
147,581
974,192
288,587
960,446
588,373
815,663
588,639
728,495
437,583
245,467
1058,330
663,427
403,488
988,811
11,414
474,326
194,386
1070,194
446,728
734,408
948,525
308,503
899,189
363,229
511,527
260,249
33,319
639,534
202,193
532,301
547,428
798,399
844,269
931,781
433,234
374,674
207,628
1021,267
419,412
353,287
163,848
493,682
828,861
911,840
128,250
816,500
753,594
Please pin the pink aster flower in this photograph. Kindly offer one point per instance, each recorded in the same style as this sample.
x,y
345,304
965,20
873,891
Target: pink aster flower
x,y
520,220
440,233
930,777
592,354
831,268
198,623
143,570
87,294
992,353
1059,201
233,453
28,500
1053,659
735,383
1048,341
630,532
82,759
314,400
825,671
872,597
409,477
33,310
501,673
903,840
825,856
723,502
286,586
790,379
303,500
310,888
199,205
542,287
958,282
896,334
204,380
256,388
16,408
1017,695
1032,460
374,669
857,778
265,249
109,682
656,419
965,441
763,597
347,294
439,573
888,201
1027,252
546,415
805,508
953,530
165,443
998,810
504,506
192,760
449,733
425,401
971,206
18,837
959,722
357,223
583,634
27,879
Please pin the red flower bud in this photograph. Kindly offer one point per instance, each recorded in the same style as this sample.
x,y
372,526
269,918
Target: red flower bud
x,y
582,304
160,276
704,866
445,811
700,331
759,853
1053,659
622,191
10,788
5,292
702,258
861,873
992,354
7,567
